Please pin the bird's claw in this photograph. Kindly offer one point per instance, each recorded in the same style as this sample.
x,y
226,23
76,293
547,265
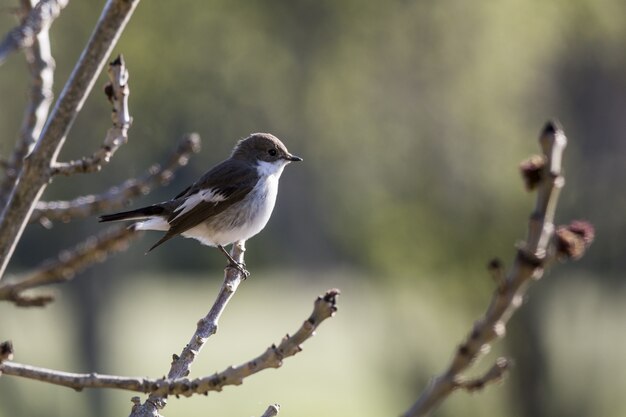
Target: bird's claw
x,y
241,267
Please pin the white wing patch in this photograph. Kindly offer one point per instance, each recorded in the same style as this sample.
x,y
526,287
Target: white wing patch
x,y
154,223
207,196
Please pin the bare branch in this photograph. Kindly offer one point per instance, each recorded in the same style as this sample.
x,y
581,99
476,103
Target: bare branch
x,y
39,19
117,92
532,257
67,265
36,172
272,411
205,328
118,196
41,67
325,307
78,381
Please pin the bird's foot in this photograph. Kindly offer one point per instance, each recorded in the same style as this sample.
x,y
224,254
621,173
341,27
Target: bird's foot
x,y
232,263
241,267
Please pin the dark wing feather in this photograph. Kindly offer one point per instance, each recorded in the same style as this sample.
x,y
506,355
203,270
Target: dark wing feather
x,y
231,179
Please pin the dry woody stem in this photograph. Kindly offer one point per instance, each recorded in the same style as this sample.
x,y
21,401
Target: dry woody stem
x,y
36,171
37,20
205,328
66,266
325,307
544,175
120,195
41,68
117,92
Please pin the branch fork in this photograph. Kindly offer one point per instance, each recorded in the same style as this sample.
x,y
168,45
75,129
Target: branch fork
x,y
36,21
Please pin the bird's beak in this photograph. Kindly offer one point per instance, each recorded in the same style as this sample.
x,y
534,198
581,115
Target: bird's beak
x,y
293,158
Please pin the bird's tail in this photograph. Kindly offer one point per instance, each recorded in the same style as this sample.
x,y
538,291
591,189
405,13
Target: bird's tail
x,y
138,214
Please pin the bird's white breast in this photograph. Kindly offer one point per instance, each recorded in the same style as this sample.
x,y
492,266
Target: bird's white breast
x,y
256,209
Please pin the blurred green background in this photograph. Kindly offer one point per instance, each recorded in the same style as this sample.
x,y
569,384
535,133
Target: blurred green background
x,y
412,118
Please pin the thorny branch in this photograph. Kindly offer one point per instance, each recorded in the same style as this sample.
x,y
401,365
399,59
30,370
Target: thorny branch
x,y
324,307
118,196
38,20
542,246
67,265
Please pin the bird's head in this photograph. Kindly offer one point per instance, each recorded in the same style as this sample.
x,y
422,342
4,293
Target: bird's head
x,y
263,147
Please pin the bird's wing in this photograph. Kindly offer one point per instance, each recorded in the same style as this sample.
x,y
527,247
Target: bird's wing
x,y
214,192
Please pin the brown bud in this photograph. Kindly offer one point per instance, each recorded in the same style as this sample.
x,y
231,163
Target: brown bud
x,y
108,91
495,264
583,229
532,170
6,351
496,269
572,240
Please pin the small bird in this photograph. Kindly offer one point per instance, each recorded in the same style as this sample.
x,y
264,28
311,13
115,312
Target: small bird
x,y
231,202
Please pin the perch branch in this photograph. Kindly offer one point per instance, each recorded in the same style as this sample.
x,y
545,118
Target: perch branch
x,y
117,92
532,257
324,307
36,172
37,21
118,196
205,328
41,67
67,265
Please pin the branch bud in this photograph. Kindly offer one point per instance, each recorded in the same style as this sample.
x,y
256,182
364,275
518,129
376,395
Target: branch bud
x,y
532,171
6,351
573,240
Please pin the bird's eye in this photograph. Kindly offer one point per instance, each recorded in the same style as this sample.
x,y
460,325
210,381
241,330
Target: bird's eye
x,y
272,152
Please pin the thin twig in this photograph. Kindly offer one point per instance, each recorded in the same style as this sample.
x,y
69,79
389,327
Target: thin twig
x,y
66,265
41,67
117,92
120,195
493,375
530,262
36,173
324,307
38,19
272,411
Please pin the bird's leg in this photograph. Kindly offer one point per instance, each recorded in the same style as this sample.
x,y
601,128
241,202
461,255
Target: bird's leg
x,y
233,263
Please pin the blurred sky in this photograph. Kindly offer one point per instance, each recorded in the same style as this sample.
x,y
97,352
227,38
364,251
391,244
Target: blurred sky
x,y
412,118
